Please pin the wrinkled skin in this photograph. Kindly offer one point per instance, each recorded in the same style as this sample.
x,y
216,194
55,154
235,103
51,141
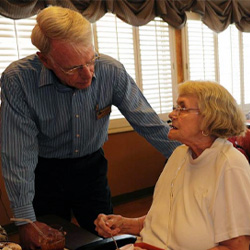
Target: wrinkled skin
x,y
47,239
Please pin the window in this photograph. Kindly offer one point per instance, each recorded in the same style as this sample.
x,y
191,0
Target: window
x,y
222,57
145,52
246,62
15,40
8,49
201,48
156,65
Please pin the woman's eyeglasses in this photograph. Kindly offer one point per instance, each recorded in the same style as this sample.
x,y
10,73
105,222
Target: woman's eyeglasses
x,y
178,110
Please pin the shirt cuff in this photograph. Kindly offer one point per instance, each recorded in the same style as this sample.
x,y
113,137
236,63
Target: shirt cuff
x,y
25,212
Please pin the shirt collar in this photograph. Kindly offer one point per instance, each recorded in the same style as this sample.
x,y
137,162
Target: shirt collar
x,y
47,77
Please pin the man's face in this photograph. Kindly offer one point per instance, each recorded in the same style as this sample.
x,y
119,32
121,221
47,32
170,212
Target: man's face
x,y
73,65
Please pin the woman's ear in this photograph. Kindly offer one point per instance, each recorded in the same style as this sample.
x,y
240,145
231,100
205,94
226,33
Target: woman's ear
x,y
44,60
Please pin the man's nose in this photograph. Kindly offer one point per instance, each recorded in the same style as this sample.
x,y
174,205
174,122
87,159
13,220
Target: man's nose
x,y
85,72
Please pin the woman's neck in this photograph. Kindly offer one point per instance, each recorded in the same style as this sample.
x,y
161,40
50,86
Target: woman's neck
x,y
201,145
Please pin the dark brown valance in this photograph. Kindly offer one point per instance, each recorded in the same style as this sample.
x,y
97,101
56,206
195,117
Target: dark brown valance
x,y
216,14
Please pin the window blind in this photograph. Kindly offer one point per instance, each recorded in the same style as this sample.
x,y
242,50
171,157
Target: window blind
x,y
156,65
201,51
246,70
229,61
115,38
23,32
222,57
145,52
8,46
15,40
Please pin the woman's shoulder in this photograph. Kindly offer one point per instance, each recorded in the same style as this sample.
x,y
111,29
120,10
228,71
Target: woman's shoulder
x,y
234,158
178,154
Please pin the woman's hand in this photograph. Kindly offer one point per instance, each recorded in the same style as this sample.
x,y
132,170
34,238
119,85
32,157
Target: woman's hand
x,y
107,225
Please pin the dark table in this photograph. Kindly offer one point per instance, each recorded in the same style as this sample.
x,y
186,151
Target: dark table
x,y
80,239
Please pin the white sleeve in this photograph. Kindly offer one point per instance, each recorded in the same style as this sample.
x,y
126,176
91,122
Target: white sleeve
x,y
231,211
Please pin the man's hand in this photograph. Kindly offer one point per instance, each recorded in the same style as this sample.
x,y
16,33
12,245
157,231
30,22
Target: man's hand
x,y
38,235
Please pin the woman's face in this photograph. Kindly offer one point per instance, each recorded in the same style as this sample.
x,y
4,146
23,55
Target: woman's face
x,y
186,123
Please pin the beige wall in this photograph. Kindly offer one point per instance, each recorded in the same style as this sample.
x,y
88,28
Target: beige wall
x,y
133,165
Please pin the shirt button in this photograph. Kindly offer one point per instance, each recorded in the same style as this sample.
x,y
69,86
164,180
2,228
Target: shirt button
x,y
77,135
77,116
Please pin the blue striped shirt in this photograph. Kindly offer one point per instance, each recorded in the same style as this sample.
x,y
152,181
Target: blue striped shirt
x,y
41,116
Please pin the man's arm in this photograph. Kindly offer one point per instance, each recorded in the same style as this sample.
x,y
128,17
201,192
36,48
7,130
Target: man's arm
x,y
19,147
134,106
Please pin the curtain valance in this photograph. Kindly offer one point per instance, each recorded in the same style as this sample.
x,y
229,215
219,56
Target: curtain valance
x,y
216,14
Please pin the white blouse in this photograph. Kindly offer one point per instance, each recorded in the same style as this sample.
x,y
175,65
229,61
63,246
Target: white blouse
x,y
200,202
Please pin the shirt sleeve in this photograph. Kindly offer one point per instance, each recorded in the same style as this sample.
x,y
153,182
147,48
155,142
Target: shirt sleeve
x,y
141,116
19,147
232,205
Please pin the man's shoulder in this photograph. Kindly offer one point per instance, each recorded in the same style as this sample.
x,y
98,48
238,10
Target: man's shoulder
x,y
23,72
23,65
106,60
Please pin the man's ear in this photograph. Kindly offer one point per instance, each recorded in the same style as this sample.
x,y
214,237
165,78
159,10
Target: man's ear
x,y
44,60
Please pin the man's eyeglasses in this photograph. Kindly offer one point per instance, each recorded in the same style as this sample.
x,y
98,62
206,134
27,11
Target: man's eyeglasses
x,y
75,69
180,110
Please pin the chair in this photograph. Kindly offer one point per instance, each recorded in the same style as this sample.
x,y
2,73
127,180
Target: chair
x,y
242,143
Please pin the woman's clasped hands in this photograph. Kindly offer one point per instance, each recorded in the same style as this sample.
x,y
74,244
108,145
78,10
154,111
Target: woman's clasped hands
x,y
109,225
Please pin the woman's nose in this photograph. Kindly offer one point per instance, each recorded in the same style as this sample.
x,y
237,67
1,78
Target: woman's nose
x,y
171,114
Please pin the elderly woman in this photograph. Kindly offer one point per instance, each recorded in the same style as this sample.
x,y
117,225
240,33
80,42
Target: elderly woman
x,y
202,198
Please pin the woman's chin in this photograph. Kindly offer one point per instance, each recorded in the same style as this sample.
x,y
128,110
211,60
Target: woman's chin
x,y
172,134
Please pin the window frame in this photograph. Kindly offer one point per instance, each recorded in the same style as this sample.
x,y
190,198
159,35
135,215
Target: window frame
x,y
186,71
121,124
116,125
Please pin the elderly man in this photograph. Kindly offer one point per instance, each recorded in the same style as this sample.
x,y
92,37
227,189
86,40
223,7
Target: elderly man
x,y
55,115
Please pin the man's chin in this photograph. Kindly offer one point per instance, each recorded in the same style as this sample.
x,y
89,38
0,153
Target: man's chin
x,y
82,85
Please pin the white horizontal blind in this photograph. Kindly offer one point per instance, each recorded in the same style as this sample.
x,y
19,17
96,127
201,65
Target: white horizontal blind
x,y
229,61
8,46
201,51
145,53
222,57
156,66
115,38
15,40
246,67
23,29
